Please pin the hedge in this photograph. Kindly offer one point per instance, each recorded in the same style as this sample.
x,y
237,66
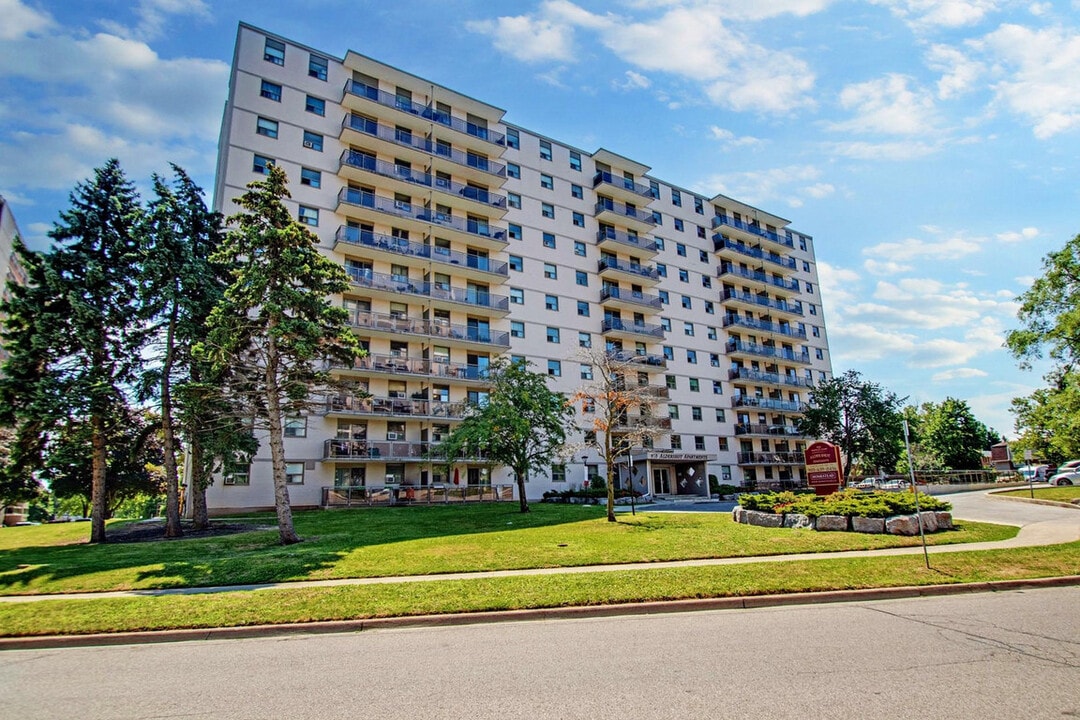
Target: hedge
x,y
849,503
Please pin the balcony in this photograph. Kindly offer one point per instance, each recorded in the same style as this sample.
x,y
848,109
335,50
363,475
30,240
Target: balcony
x,y
367,450
770,351
622,188
767,378
618,240
361,167
654,361
770,430
366,94
612,268
764,403
723,244
726,269
771,458
391,324
396,407
751,231
420,367
609,211
628,424
397,142
440,293
764,326
737,297
350,240
625,327
629,299
375,208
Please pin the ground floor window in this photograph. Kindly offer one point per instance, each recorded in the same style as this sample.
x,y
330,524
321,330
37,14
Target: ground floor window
x,y
350,477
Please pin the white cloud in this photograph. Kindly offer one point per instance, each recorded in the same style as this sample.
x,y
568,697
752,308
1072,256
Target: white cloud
x,y
950,248
153,15
527,38
634,81
885,267
819,190
957,374
759,187
898,151
886,105
927,14
729,140
959,73
1028,233
20,20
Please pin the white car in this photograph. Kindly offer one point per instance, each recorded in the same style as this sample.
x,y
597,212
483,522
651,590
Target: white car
x,y
1070,477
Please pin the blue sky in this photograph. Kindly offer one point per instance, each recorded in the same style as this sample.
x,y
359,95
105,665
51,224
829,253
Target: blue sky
x,y
931,147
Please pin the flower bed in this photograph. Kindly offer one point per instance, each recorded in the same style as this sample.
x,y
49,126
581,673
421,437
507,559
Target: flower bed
x,y
847,510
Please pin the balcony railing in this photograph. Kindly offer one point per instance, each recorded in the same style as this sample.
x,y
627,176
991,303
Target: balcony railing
x,y
767,403
757,429
422,288
727,268
428,327
763,301
721,243
387,406
642,216
399,246
768,378
409,139
337,449
754,229
408,494
632,296
771,458
767,351
420,213
603,177
644,358
632,423
644,271
764,326
405,105
641,243
427,367
416,177
615,324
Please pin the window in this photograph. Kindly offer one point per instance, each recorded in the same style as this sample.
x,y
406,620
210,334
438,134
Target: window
x,y
577,191
802,243
687,303
695,385
663,294
513,200
558,473
316,67
710,309
654,189
554,368
575,160
553,335
720,415
517,329
314,141
670,381
513,140
699,206
309,216
819,354
815,331
673,412
274,52
657,217
666,324
706,281
296,427
688,329
547,182
584,340
518,360
586,372
659,243
680,249
513,230
661,269
311,178
270,91
266,127
262,164
813,309
699,442
809,288
676,442
695,413
669,353
550,271
583,308
294,473
579,248
516,263
691,357
551,302
581,278
714,359
579,219
676,198
806,266
678,224
513,170
722,443
684,275
236,474
545,150
549,240
547,210
315,105
517,296
717,387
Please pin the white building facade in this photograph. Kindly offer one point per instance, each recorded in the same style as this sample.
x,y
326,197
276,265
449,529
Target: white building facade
x,y
468,238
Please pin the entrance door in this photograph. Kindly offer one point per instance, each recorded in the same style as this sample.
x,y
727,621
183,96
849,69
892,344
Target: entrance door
x,y
661,482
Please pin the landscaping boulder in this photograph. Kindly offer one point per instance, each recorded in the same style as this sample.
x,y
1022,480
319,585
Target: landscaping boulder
x,y
902,525
929,521
738,514
827,523
868,525
944,520
764,519
797,520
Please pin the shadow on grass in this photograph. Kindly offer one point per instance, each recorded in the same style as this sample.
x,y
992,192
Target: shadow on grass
x,y
255,557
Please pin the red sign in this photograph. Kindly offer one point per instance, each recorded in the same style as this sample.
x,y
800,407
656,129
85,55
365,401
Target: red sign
x,y
823,468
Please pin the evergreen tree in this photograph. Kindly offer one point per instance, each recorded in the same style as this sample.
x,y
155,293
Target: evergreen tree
x,y
952,434
276,327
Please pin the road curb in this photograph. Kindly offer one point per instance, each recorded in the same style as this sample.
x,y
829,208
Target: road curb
x,y
575,612
1034,501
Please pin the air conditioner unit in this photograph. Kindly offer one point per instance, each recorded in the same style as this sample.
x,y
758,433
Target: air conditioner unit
x,y
393,436
309,144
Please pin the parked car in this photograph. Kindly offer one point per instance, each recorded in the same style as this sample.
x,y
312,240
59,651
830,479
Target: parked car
x,y
1071,466
1071,477
1034,472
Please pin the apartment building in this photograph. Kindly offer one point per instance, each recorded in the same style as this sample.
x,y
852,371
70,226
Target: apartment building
x,y
468,238
14,274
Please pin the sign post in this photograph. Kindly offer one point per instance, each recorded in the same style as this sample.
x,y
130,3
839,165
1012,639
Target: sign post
x,y
823,467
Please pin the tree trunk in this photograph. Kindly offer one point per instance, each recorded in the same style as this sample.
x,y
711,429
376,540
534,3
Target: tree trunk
x,y
522,476
98,506
610,462
277,446
172,479
200,518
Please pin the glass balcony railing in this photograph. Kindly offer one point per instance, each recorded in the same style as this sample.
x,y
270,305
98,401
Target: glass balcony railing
x,y
617,325
400,324
767,351
632,296
415,211
752,228
406,105
771,458
644,271
607,178
635,241
407,138
768,378
623,210
759,429
394,171
767,403
763,301
724,243
423,288
764,326
727,268
400,246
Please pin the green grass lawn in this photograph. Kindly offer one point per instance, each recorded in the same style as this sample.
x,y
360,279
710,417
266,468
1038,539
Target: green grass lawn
x,y
1065,494
411,541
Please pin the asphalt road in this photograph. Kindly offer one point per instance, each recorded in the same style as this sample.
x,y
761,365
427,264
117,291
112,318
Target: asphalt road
x,y
994,655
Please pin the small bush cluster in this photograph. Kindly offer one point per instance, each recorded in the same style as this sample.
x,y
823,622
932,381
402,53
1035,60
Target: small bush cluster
x,y
585,493
849,503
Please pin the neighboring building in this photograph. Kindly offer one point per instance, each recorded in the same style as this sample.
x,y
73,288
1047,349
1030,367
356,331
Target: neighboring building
x,y
12,269
468,238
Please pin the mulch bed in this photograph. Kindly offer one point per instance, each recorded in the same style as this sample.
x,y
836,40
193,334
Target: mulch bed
x,y
154,530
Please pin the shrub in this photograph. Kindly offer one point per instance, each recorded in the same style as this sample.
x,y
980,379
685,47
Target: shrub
x,y
849,503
